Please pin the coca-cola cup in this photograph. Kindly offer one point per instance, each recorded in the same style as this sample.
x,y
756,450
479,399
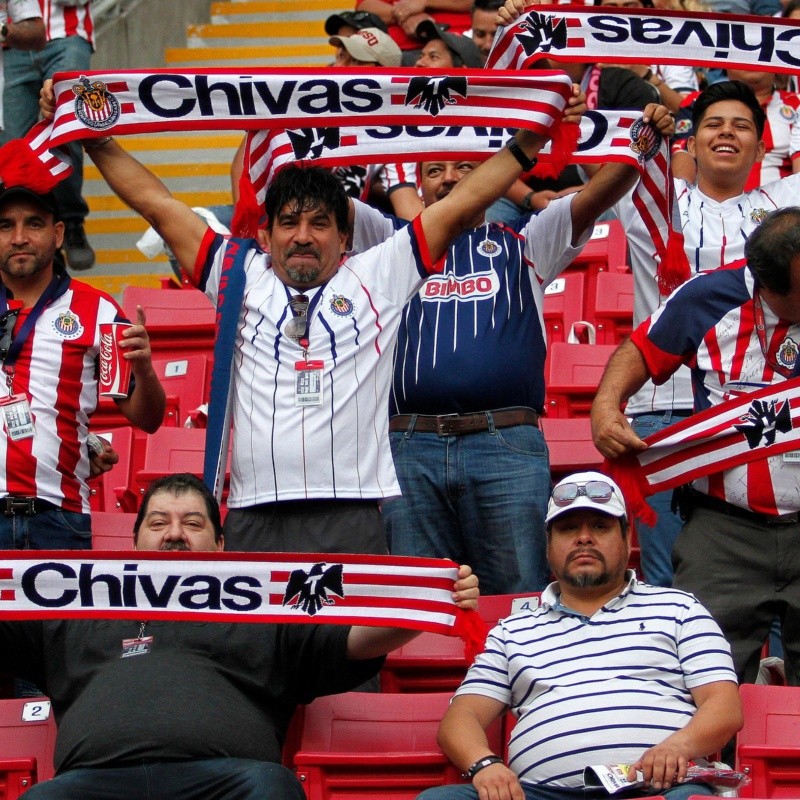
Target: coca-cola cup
x,y
115,371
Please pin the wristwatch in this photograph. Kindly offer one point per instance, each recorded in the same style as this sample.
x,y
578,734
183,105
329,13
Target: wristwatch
x,y
486,761
3,32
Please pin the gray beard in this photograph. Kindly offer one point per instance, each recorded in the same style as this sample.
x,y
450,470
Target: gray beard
x,y
584,581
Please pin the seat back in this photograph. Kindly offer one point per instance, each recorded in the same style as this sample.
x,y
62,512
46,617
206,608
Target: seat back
x,y
613,307
563,306
570,444
115,490
572,375
375,746
494,607
431,662
768,746
27,743
112,530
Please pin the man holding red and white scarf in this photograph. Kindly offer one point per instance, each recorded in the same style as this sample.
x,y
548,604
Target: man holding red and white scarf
x,y
738,330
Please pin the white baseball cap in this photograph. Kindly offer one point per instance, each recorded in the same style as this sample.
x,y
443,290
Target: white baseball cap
x,y
586,490
371,44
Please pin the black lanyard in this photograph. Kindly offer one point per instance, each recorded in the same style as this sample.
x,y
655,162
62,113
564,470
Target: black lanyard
x,y
57,286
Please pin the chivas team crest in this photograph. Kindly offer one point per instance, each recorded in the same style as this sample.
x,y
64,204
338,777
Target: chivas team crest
x,y
67,325
95,106
645,140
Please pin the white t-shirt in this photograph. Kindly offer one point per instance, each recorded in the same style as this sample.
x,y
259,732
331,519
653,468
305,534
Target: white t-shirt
x,y
15,10
714,235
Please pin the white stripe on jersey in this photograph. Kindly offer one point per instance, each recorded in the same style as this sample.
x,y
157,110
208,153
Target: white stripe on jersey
x,y
61,21
602,690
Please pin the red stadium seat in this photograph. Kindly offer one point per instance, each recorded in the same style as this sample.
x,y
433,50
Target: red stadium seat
x,y
177,321
570,444
27,741
563,306
494,607
115,490
171,450
573,372
613,307
768,746
112,531
186,379
432,662
375,746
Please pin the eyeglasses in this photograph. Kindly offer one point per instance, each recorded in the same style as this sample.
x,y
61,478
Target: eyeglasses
x,y
7,322
567,493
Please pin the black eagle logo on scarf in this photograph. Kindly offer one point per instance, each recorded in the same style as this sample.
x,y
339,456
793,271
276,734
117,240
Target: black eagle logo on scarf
x,y
542,34
308,591
310,142
433,94
765,418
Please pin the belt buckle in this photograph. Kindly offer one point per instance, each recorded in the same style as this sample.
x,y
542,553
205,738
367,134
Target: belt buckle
x,y
441,424
20,505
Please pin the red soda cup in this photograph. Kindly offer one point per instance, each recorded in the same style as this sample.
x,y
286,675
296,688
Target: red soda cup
x,y
115,371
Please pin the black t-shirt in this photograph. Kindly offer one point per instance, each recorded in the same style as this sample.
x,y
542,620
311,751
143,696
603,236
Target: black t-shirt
x,y
206,690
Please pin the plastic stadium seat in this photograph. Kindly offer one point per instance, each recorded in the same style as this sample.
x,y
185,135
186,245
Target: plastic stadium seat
x,y
375,746
186,379
171,450
563,306
115,490
112,531
177,320
431,662
570,444
572,374
768,746
27,740
494,607
613,307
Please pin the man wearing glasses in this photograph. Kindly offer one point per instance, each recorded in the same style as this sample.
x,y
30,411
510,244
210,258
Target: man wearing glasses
x,y
49,344
607,670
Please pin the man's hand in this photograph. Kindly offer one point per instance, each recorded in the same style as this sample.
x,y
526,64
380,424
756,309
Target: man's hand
x,y
103,461
512,9
662,766
47,99
403,9
575,107
611,432
465,591
136,345
497,782
661,118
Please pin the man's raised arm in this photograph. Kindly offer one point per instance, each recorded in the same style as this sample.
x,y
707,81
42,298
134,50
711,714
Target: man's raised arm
x,y
136,186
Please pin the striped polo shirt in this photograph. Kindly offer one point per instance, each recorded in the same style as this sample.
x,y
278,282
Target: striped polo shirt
x,y
600,689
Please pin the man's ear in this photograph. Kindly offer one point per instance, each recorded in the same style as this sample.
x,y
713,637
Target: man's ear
x,y
690,146
263,238
761,151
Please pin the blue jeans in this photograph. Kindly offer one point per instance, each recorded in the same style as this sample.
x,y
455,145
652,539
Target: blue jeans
x,y
25,72
468,792
657,543
479,499
206,779
49,530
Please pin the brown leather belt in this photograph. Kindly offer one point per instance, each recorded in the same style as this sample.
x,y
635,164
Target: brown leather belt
x,y
458,424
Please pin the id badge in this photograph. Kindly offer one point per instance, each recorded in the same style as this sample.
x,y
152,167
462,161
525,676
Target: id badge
x,y
137,647
16,411
308,383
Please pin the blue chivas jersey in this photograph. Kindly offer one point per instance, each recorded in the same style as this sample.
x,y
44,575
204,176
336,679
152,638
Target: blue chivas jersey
x,y
473,338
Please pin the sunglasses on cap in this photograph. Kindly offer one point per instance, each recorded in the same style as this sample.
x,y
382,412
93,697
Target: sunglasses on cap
x,y
567,493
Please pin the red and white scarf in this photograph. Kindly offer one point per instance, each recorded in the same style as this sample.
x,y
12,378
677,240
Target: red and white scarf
x,y
641,36
754,426
386,591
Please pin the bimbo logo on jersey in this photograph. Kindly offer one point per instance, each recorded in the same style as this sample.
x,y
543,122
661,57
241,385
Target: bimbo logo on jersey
x,y
440,288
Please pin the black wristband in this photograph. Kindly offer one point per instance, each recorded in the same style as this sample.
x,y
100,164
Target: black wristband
x,y
526,201
486,761
526,163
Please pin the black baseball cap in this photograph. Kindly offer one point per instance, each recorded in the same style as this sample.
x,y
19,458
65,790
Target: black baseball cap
x,y
46,201
355,19
462,46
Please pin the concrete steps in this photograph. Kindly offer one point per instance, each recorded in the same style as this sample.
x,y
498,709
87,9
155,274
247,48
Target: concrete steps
x,y
196,166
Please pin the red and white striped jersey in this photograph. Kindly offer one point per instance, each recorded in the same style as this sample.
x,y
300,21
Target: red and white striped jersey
x,y
709,324
781,139
62,20
57,370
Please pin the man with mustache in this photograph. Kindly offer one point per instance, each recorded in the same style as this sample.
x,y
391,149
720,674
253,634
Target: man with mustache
x,y
608,670
152,709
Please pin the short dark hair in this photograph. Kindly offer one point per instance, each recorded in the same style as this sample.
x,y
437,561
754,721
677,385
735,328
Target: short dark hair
x,y
728,90
181,483
772,247
306,189
490,5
